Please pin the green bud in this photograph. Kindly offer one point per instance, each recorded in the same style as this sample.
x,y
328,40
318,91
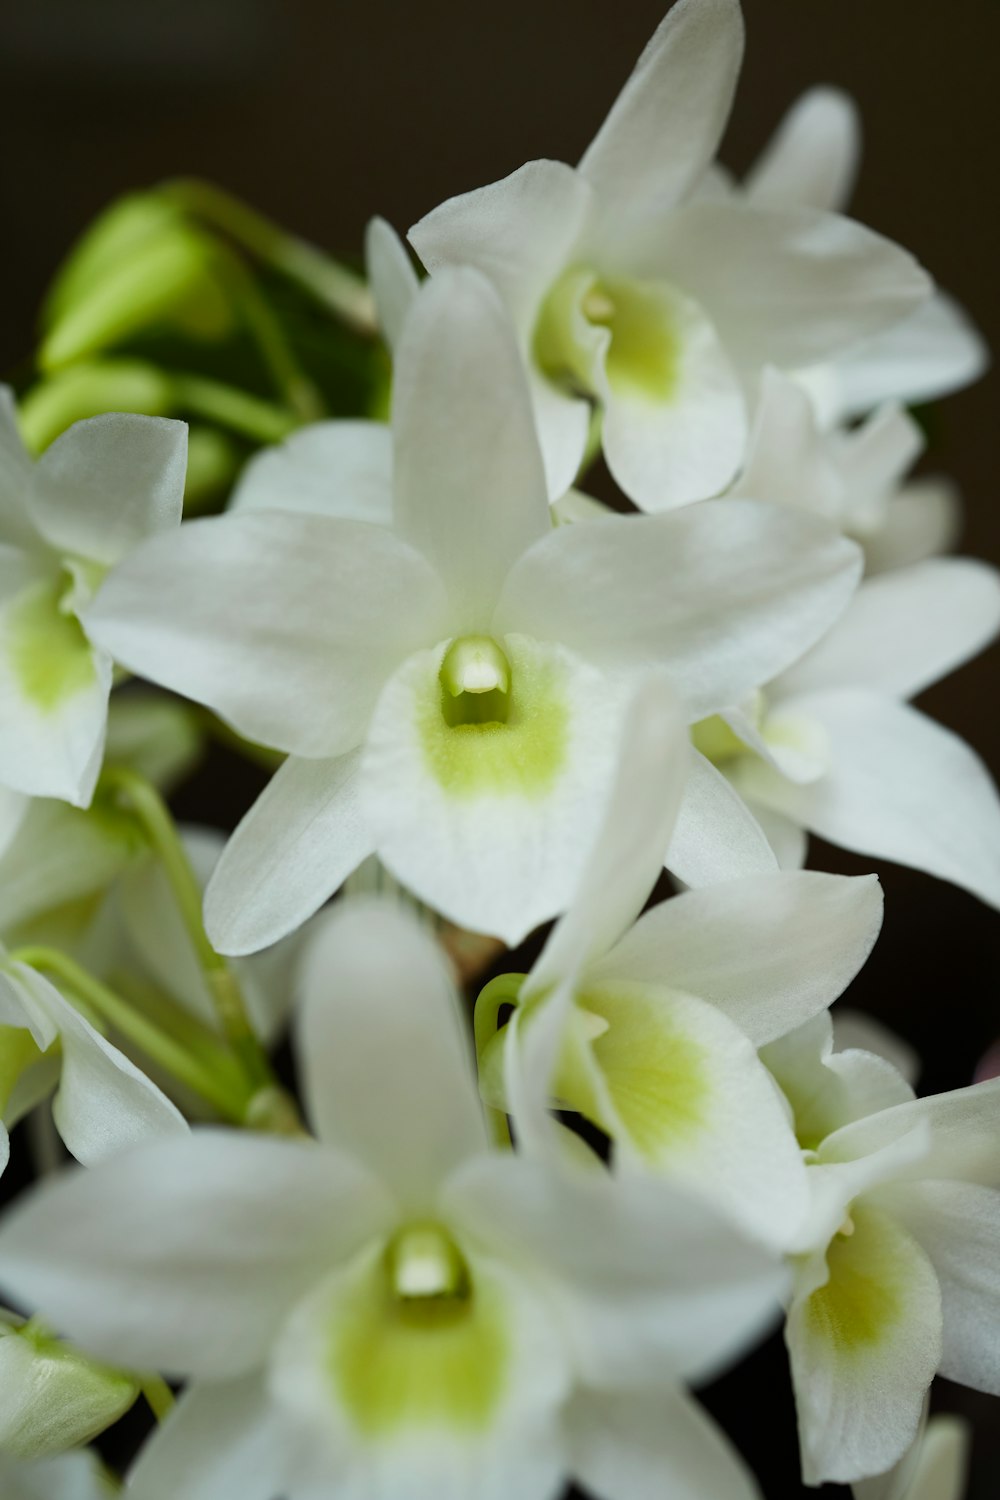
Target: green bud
x,y
143,268
52,1398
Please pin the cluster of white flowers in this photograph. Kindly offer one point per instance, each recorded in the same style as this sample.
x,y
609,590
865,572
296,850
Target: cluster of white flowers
x,y
491,702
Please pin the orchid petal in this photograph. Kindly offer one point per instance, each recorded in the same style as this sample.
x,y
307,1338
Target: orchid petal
x,y
723,595
470,488
769,951
665,126
812,159
295,847
388,1073
187,1255
340,469
109,482
287,625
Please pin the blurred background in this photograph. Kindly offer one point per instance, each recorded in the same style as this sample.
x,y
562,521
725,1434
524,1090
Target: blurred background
x,y
321,114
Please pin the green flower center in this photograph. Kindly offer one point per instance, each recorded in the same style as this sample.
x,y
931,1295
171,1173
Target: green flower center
x,y
633,324
417,1343
475,682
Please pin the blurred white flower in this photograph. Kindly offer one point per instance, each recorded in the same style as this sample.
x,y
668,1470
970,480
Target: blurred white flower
x,y
396,1309
853,476
811,162
101,487
896,1270
835,749
631,285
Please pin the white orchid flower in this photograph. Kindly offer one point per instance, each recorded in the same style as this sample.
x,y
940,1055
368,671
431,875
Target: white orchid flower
x,y
103,1102
651,1030
450,687
631,286
812,162
101,487
72,1476
395,1308
853,476
896,1269
831,746
934,1468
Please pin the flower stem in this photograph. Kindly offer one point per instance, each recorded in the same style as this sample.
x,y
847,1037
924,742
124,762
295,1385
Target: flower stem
x,y
504,990
339,289
142,799
159,1397
156,1044
248,415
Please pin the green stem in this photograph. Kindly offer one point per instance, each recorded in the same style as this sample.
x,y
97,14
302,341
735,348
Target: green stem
x,y
504,990
293,385
248,415
159,1396
339,289
156,1044
142,799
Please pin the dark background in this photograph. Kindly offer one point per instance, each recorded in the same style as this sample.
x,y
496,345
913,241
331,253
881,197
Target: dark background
x,y
322,114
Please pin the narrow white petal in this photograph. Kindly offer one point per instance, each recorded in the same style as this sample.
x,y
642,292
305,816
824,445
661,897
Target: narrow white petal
x,y
900,787
957,1224
789,286
520,232
789,842
104,1103
563,423
490,823
295,847
768,951
716,836
812,159
110,481
904,630
386,1061
627,856
393,278
724,596
962,1126
855,1029
932,351
187,1255
828,1089
287,625
223,1441
642,1446
328,469
665,126
653,1283
470,488
935,1468
864,1347
923,520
